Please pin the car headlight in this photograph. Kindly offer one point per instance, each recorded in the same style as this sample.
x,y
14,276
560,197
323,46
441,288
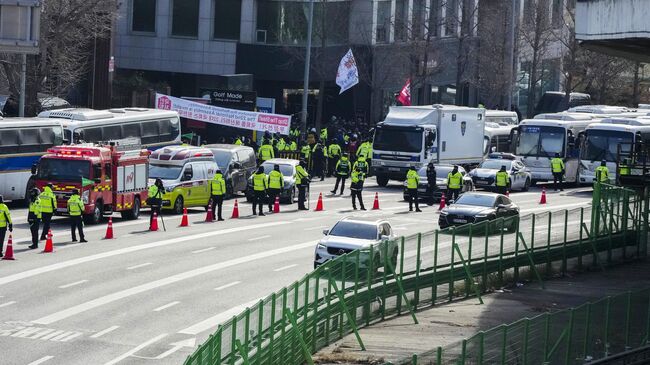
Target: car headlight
x,y
481,215
85,196
321,246
169,189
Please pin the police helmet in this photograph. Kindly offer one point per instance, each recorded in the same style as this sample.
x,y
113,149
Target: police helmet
x,y
503,167
276,167
35,192
603,163
218,171
260,170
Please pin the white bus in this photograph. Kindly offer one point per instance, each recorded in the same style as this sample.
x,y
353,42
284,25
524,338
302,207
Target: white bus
x,y
22,143
501,117
537,141
601,143
155,128
497,138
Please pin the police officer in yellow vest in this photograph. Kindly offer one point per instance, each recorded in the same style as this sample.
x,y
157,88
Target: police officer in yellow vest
x,y
5,223
557,168
356,187
154,201
260,186
302,182
76,209
217,191
502,180
323,134
334,153
343,169
281,144
48,205
265,152
34,216
305,152
454,184
412,183
276,181
602,173
239,142
623,169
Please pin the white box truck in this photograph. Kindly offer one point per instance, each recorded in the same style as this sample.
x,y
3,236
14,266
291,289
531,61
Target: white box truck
x,y
416,135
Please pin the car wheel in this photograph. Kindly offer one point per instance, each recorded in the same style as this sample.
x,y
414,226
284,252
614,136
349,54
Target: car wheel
x,y
382,180
178,205
526,185
134,213
96,216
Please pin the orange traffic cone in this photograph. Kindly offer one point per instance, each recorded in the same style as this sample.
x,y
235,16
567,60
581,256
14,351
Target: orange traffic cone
x,y
208,216
154,223
375,205
49,247
276,205
9,253
319,204
543,198
235,210
109,229
184,220
442,202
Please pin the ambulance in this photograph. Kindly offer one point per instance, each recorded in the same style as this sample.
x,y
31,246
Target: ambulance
x,y
186,173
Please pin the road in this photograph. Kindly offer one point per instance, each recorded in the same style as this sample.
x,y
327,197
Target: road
x,y
152,297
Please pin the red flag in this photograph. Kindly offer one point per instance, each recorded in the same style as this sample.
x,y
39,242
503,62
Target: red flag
x,y
405,95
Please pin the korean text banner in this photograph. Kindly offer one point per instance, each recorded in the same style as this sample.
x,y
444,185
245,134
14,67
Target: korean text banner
x,y
223,116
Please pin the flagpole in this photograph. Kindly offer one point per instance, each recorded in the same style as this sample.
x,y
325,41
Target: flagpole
x,y
305,85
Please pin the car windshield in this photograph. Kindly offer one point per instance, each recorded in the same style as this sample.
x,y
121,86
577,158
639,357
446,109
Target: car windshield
x,y
222,158
477,200
495,164
286,170
164,172
397,139
63,170
441,171
603,145
355,230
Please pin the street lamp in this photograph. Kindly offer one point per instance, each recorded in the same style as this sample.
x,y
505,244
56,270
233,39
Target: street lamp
x,y
305,84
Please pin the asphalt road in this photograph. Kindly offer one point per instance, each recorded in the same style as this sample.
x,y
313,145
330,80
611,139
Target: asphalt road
x,y
152,297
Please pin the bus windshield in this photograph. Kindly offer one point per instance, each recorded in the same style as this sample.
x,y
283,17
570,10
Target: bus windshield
x,y
63,170
541,141
397,139
602,144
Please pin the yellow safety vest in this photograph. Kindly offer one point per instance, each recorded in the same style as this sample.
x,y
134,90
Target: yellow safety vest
x,y
361,162
323,134
357,176
260,182
343,166
281,145
35,208
623,170
334,150
306,151
412,179
48,201
218,185
276,180
5,216
602,174
266,152
293,146
502,178
154,192
300,174
75,206
557,165
454,181
238,142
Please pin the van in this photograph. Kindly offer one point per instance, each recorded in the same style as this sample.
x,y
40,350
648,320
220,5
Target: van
x,y
237,163
186,173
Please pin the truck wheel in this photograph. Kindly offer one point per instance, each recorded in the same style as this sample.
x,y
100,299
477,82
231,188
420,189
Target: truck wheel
x,y
134,213
178,205
96,216
382,180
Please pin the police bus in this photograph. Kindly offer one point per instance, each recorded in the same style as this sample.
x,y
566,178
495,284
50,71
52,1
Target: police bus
x,y
22,143
155,128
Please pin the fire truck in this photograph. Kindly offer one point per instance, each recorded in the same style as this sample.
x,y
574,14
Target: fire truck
x,y
111,177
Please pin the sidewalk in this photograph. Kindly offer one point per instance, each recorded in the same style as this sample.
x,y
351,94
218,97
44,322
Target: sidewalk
x,y
397,339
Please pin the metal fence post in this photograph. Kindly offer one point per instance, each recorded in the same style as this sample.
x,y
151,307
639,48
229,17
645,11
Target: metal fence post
x,y
564,242
628,312
504,344
451,271
401,272
569,338
548,244
434,289
416,292
468,282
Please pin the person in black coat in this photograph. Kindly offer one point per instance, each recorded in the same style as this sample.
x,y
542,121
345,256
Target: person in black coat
x,y
431,181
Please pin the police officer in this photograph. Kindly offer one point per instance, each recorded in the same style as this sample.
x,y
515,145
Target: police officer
x,y
238,141
293,147
281,144
265,152
323,134
502,180
305,153
412,183
217,191
623,169
76,209
48,205
334,153
356,187
342,172
260,186
454,184
362,164
318,161
34,216
155,199
276,181
602,172
557,169
302,181
5,222
431,181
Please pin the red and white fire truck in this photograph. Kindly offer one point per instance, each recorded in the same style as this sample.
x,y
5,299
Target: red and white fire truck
x,y
111,177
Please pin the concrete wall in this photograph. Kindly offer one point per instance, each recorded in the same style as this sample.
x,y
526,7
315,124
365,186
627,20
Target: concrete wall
x,y
612,19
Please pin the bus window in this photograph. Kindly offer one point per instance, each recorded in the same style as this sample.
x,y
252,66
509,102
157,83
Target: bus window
x,y
149,132
9,141
131,130
29,140
91,134
111,132
68,136
486,145
165,131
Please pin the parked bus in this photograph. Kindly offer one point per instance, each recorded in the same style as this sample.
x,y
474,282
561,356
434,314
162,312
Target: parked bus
x,y
501,117
497,138
155,128
22,143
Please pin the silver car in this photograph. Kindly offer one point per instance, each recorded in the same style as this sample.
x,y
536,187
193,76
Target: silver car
x,y
484,176
350,234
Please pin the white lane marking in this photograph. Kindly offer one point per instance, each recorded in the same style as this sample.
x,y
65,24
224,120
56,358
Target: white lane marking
x,y
126,250
98,302
306,219
403,207
258,238
73,284
7,304
52,334
227,285
204,250
25,332
214,321
103,332
44,332
406,224
285,267
136,349
314,228
139,266
168,305
41,360
190,342
68,337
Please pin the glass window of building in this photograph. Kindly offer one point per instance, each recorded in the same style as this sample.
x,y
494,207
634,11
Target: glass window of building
x,y
434,18
401,23
144,16
383,21
185,18
451,18
227,19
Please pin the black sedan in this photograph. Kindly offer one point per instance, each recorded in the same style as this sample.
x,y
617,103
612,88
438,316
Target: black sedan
x,y
475,207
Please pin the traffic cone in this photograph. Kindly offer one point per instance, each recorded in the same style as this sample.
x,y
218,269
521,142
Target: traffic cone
x,y
154,223
184,220
235,210
319,204
276,205
375,205
442,202
49,247
208,216
109,229
9,253
543,198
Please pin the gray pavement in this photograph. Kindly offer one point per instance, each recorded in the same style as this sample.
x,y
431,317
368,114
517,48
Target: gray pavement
x,y
152,297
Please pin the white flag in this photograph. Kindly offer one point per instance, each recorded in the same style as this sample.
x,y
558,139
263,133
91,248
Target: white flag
x,y
347,75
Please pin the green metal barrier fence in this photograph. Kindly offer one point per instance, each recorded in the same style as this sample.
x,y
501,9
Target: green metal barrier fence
x,y
578,335
406,274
